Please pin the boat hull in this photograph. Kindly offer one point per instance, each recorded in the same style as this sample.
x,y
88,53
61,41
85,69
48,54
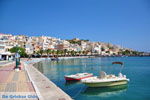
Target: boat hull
x,y
76,79
106,84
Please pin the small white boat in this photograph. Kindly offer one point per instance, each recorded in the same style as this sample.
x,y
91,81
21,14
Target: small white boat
x,y
105,80
78,76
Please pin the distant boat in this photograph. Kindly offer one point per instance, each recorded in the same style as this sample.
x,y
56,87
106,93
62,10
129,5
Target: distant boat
x,y
106,80
54,59
78,76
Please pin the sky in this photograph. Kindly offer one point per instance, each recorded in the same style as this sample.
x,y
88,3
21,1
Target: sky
x,y
122,22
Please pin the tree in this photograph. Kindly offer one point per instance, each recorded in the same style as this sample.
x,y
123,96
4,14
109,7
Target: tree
x,y
83,52
126,52
80,52
20,50
58,52
65,51
53,52
72,53
40,52
48,51
74,41
107,51
69,52
75,53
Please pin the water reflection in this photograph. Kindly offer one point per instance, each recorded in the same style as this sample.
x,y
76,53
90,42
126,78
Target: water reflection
x,y
106,91
70,66
69,83
39,66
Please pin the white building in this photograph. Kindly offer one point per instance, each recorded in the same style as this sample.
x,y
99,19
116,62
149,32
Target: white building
x,y
97,49
83,45
7,56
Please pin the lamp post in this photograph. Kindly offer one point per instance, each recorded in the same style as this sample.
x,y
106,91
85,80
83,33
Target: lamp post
x,y
17,57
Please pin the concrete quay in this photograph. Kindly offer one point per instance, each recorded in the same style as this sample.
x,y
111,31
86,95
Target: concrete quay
x,y
45,89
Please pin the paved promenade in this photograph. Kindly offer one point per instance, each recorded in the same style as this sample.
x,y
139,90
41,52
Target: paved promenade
x,y
14,82
28,81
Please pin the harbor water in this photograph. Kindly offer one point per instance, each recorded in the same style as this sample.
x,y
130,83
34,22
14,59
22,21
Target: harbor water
x,y
137,69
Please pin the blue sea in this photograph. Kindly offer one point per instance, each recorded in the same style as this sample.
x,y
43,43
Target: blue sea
x,y
137,69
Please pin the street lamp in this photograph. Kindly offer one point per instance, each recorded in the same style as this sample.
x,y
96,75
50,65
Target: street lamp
x,y
17,57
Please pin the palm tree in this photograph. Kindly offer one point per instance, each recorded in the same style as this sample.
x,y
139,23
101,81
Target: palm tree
x,y
80,52
48,51
84,52
75,53
65,51
53,52
68,52
40,52
58,52
61,52
72,53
